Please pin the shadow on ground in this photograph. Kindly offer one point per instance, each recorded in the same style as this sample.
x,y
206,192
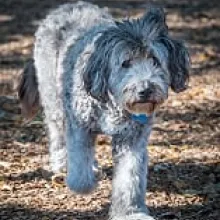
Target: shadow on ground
x,y
191,212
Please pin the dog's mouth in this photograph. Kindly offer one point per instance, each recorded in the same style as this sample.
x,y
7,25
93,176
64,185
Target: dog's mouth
x,y
140,107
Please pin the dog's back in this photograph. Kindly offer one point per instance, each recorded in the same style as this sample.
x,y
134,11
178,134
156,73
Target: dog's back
x,y
67,21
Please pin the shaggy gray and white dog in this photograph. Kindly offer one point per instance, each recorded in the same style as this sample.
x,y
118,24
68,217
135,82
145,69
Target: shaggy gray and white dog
x,y
96,75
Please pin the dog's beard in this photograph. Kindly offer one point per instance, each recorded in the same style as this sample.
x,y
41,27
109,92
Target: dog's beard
x,y
137,103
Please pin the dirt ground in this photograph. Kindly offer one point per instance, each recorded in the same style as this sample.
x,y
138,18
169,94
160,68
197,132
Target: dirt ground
x,y
184,169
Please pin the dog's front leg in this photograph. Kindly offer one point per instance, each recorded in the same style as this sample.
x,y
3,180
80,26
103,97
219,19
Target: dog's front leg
x,y
80,159
129,182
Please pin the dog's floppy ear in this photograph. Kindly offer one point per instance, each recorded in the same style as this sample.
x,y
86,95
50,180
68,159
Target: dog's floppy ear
x,y
154,22
154,27
178,64
97,72
96,75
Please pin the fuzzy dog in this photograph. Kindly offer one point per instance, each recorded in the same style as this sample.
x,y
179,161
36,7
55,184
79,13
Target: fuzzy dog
x,y
97,75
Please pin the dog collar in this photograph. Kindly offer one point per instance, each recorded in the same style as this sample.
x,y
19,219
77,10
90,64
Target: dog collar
x,y
141,118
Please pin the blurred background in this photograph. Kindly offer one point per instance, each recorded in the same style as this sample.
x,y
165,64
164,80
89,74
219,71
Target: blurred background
x,y
184,173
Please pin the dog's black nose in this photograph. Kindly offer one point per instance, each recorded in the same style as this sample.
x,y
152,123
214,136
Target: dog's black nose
x,y
146,94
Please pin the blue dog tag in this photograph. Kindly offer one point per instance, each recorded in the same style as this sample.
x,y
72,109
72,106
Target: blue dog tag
x,y
142,118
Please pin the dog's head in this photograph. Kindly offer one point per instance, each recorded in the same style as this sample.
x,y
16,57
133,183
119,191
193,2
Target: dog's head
x,y
137,61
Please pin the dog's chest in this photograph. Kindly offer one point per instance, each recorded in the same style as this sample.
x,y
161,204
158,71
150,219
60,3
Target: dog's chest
x,y
111,123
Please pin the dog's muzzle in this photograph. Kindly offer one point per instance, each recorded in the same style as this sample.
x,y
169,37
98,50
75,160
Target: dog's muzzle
x,y
147,100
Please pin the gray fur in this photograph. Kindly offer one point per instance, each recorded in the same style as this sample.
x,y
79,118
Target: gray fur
x,y
93,73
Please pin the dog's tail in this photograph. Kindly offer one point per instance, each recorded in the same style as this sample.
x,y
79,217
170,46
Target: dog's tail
x,y
28,91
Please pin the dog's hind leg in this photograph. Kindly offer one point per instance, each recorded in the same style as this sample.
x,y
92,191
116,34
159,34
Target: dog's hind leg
x,y
54,120
45,57
57,150
35,83
80,159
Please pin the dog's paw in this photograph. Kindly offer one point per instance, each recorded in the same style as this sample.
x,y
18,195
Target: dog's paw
x,y
138,216
83,185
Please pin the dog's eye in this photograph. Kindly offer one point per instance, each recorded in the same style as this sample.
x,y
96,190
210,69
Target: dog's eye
x,y
155,60
126,64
